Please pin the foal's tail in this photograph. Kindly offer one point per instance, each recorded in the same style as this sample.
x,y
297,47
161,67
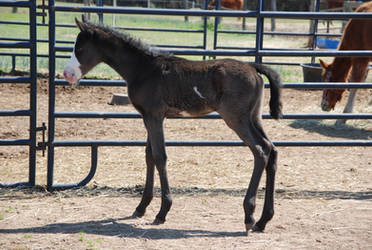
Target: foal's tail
x,y
275,88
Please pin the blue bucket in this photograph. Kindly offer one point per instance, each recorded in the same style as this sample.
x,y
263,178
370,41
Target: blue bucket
x,y
325,43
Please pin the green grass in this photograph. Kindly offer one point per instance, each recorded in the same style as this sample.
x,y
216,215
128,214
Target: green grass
x,y
27,236
196,39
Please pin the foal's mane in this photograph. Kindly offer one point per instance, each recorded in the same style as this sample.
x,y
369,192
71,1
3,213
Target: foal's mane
x,y
123,38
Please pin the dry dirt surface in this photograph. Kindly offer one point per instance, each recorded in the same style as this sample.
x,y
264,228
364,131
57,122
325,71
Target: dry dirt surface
x,y
323,194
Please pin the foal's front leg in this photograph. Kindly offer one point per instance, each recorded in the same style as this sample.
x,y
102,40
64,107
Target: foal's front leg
x,y
154,126
149,186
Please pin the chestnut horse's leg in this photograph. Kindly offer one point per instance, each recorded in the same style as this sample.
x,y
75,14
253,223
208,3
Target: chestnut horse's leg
x,y
250,131
348,107
358,74
149,186
154,127
350,101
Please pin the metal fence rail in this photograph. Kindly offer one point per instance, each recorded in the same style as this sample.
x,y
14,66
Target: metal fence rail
x,y
257,51
30,44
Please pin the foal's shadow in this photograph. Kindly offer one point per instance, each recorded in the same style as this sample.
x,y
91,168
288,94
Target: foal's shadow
x,y
116,227
343,131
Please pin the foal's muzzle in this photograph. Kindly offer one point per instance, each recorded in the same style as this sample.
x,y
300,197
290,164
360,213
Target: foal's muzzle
x,y
71,76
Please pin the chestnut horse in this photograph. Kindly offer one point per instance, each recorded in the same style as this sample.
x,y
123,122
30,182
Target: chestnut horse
x,y
357,36
228,5
162,85
333,4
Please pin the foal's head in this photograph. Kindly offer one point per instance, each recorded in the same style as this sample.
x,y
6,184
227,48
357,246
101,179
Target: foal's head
x,y
85,54
330,96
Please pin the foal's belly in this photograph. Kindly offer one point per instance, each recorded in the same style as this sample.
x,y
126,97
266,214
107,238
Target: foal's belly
x,y
190,112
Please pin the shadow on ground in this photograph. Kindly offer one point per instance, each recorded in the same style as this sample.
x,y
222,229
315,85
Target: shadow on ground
x,y
116,227
343,131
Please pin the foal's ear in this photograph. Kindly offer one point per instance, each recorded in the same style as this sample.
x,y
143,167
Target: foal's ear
x,y
83,18
79,24
323,64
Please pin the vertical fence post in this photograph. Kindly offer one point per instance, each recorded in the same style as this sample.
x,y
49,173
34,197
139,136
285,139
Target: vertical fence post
x,y
13,63
51,109
114,4
100,15
244,18
205,28
33,93
259,30
216,22
185,6
315,29
273,8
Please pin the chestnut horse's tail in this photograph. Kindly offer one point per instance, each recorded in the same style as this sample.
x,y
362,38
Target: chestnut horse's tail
x,y
275,88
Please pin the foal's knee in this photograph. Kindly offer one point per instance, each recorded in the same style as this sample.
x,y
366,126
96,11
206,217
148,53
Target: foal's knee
x,y
262,152
160,159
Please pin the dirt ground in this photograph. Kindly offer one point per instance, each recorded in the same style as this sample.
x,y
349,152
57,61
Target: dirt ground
x,y
323,194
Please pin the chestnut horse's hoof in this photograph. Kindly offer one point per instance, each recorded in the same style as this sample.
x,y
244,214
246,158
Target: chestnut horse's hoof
x,y
158,221
340,122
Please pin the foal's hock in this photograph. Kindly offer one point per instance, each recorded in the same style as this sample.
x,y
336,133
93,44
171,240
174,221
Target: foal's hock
x,y
162,85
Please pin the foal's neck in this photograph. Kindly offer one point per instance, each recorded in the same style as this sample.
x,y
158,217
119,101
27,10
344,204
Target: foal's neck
x,y
124,60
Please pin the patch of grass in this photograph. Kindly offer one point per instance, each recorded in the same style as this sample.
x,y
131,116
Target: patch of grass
x,y
21,247
8,210
90,245
81,236
27,236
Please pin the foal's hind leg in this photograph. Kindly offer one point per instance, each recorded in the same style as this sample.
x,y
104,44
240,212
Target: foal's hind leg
x,y
268,209
271,168
250,131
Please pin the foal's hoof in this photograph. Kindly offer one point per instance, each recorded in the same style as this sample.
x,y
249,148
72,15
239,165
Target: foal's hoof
x,y
248,227
137,214
158,221
257,229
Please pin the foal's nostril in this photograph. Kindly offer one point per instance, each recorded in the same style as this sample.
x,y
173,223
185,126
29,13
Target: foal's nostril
x,y
68,74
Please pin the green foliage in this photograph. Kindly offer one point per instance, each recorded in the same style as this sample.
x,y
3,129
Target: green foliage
x,y
27,236
8,210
